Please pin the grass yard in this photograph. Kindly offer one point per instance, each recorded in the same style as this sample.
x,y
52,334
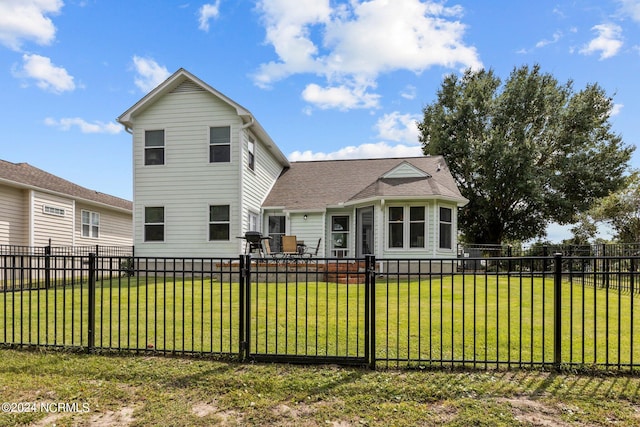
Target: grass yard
x,y
131,390
451,320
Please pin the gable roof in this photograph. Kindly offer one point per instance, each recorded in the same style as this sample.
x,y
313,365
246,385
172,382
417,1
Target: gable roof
x,y
23,175
182,77
316,185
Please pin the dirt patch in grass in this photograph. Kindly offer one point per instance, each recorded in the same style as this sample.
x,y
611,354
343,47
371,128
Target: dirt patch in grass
x,y
534,412
226,417
122,417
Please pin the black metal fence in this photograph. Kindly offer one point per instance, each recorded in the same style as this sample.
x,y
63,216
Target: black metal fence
x,y
579,312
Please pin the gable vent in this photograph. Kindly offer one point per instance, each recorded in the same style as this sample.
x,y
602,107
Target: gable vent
x,y
188,86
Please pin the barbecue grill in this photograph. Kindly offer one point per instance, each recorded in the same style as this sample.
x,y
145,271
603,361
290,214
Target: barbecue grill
x,y
254,241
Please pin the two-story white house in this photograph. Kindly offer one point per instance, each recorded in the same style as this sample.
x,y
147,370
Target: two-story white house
x,y
206,172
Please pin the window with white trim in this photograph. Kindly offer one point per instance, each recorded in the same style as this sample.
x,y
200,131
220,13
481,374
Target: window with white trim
x,y
446,228
219,222
53,210
220,144
340,236
251,148
406,226
154,147
154,224
90,224
253,221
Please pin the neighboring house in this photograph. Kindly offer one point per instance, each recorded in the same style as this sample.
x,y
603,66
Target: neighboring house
x,y
37,207
205,172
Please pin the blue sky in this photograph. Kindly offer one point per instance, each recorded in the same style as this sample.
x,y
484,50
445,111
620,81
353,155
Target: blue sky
x,y
326,79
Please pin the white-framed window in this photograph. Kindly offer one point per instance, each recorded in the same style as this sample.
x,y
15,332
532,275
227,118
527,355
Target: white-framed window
x,y
253,221
154,147
446,228
53,210
251,148
219,222
340,236
90,224
406,227
220,144
154,224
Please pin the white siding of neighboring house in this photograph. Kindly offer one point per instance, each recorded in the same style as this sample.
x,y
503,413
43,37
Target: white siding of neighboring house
x,y
14,206
257,183
115,227
47,226
187,183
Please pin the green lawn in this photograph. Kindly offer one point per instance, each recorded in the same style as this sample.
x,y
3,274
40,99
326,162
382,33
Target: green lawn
x,y
457,319
150,391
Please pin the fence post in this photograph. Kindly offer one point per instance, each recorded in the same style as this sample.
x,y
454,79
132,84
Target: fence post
x,y
370,311
557,311
47,265
91,312
245,306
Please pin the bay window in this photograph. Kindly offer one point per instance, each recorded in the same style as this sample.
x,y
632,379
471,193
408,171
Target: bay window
x,y
406,227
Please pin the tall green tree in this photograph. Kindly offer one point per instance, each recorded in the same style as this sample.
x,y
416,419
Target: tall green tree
x,y
620,211
526,153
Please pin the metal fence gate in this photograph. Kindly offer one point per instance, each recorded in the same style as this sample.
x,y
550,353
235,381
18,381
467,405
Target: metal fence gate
x,y
310,311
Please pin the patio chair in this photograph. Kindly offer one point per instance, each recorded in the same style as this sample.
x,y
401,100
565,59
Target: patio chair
x,y
289,246
311,252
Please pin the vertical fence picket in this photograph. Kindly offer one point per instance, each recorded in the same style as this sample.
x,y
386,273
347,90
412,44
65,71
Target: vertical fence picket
x,y
557,312
91,316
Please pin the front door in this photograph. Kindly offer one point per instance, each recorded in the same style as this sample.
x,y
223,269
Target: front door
x,y
364,238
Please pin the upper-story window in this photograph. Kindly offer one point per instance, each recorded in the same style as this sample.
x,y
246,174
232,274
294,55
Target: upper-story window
x,y
220,144
90,224
252,153
154,147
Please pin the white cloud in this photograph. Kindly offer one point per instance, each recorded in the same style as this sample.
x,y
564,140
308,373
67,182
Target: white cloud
x,y
352,43
340,97
399,127
364,151
48,76
631,8
615,110
66,124
608,42
409,92
22,20
150,73
554,39
207,12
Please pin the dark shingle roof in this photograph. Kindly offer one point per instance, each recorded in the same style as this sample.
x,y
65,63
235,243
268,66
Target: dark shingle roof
x,y
23,174
318,184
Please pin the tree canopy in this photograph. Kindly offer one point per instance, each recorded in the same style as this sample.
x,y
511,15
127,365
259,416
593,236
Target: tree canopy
x,y
620,210
526,153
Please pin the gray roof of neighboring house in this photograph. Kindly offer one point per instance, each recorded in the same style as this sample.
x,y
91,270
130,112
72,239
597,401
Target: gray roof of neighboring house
x,y
316,185
27,176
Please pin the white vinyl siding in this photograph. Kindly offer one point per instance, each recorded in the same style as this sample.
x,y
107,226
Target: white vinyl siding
x,y
57,228
257,182
14,206
188,183
116,228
